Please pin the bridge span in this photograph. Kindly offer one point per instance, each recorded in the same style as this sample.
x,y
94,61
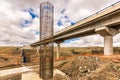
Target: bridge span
x,y
105,22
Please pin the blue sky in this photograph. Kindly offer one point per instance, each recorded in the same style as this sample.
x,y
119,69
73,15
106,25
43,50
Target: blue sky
x,y
20,20
26,23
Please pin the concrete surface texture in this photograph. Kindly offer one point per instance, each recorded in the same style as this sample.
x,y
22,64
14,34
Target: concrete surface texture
x,y
30,76
24,73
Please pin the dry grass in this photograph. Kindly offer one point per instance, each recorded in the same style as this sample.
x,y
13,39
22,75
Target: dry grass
x,y
70,51
12,55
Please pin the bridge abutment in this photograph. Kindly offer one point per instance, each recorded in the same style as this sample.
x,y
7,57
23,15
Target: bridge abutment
x,y
108,34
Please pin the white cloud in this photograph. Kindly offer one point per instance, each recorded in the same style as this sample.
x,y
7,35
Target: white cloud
x,y
11,14
93,40
79,9
11,31
34,26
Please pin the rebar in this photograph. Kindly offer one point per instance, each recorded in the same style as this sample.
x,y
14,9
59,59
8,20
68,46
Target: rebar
x,y
46,50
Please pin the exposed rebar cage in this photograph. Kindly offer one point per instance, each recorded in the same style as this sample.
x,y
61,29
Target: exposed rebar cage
x,y
46,30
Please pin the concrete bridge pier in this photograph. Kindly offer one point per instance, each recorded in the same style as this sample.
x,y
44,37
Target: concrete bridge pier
x,y
108,34
58,49
38,48
108,45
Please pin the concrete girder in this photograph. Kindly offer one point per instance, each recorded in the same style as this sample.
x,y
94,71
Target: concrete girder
x,y
106,31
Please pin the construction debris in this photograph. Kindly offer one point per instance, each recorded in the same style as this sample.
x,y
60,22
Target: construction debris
x,y
90,68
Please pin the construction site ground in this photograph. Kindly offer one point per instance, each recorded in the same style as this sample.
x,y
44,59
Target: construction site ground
x,y
78,67
74,64
90,67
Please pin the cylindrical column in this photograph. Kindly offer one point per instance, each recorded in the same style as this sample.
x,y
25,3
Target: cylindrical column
x,y
38,48
108,45
58,51
43,62
45,50
46,31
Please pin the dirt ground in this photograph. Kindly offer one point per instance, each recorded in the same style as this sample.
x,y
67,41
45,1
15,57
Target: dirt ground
x,y
90,68
85,66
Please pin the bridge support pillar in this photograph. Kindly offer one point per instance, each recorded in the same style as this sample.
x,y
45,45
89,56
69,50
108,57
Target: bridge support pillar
x,y
58,51
108,45
108,34
38,48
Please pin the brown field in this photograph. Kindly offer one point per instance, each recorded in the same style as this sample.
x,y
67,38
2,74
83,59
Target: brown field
x,y
10,57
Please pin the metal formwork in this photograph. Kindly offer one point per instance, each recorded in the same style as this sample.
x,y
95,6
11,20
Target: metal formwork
x,y
46,50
